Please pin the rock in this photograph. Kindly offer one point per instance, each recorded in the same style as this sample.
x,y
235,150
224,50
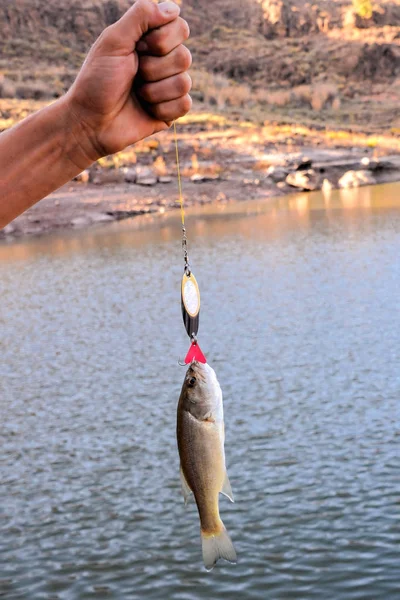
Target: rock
x,y
130,175
8,229
303,164
376,165
356,179
365,161
304,180
101,217
126,214
165,179
108,176
145,176
371,164
82,177
197,178
148,181
276,160
80,222
277,174
281,185
33,230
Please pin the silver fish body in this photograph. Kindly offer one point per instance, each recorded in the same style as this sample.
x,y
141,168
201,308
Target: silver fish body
x,y
200,435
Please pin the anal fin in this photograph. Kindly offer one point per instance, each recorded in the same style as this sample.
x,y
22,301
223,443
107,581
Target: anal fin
x,y
186,491
226,488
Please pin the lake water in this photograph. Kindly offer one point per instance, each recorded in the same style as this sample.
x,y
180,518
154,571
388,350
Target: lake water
x,y
300,319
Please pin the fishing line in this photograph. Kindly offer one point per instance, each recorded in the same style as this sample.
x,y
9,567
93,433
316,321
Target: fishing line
x,y
190,293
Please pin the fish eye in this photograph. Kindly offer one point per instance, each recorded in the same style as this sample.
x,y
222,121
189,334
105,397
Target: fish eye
x,y
192,381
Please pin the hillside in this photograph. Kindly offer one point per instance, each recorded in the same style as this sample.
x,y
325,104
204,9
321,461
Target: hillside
x,y
316,63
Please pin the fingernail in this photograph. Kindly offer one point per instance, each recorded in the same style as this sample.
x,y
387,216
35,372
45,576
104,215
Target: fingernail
x,y
169,9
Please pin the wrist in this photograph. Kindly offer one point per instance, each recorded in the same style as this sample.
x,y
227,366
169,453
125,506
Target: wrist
x,y
81,147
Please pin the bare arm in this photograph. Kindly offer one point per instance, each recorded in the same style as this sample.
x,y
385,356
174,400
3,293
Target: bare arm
x,y
106,110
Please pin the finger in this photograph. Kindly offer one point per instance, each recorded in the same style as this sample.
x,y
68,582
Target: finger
x,y
167,89
163,40
174,109
154,68
144,15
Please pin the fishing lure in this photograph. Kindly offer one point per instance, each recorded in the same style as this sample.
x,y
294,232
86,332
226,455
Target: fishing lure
x,y
190,293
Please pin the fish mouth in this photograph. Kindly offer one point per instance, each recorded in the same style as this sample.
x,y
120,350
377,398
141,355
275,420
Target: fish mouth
x,y
199,369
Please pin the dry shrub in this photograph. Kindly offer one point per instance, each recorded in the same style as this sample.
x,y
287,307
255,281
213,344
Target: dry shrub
x,y
159,166
279,98
33,91
7,87
302,95
195,163
322,94
220,91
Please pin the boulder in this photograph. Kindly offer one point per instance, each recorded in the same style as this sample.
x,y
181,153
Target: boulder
x,y
108,176
198,178
101,217
165,179
130,175
8,229
277,174
81,222
353,179
82,177
146,177
147,181
302,164
304,180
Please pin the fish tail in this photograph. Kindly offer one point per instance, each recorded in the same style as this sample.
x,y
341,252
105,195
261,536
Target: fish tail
x,y
217,545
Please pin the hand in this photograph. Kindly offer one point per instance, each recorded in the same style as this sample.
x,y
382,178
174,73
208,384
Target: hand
x,y
133,82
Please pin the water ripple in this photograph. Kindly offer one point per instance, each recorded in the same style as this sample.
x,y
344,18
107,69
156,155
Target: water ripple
x,y
306,350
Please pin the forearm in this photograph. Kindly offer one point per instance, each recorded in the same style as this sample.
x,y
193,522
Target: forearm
x,y
39,155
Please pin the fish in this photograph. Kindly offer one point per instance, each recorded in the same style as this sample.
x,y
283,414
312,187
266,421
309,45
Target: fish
x,y
201,436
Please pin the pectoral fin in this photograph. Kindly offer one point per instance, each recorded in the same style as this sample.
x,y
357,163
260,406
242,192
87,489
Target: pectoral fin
x,y
186,491
226,488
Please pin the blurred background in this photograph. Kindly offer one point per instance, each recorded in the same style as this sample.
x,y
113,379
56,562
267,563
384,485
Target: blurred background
x,y
291,169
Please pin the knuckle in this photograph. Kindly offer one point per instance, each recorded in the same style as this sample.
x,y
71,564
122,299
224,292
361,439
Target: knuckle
x,y
184,58
185,28
107,36
144,6
186,104
146,93
146,69
159,112
184,84
159,42
144,10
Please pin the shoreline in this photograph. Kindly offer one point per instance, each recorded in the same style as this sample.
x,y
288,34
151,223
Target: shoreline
x,y
219,166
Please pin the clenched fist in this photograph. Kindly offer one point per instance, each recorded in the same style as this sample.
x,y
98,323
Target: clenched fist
x,y
134,81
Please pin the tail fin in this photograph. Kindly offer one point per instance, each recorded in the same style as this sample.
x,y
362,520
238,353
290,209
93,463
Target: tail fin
x,y
217,546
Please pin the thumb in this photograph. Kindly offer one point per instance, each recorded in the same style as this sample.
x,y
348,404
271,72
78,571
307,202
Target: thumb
x,y
143,16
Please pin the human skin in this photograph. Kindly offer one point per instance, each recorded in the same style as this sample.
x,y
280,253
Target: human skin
x,y
133,83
